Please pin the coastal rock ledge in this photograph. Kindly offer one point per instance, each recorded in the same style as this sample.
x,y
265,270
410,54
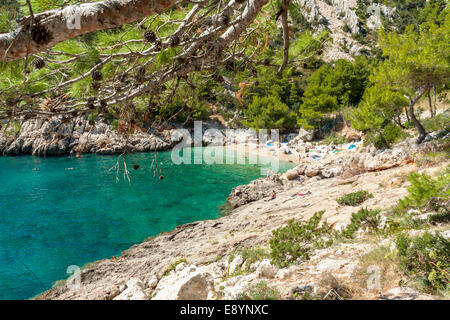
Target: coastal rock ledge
x,y
55,137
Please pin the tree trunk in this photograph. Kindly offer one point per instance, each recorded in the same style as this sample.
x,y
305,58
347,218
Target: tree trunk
x,y
434,94
398,121
420,128
407,116
284,24
429,103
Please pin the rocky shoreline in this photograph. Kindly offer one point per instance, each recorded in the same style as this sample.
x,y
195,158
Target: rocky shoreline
x,y
54,137
202,260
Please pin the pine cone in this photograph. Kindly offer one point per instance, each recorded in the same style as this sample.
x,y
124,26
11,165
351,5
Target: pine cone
x,y
123,77
240,1
149,36
95,85
90,103
266,61
38,63
207,22
40,34
140,74
97,75
224,20
103,105
174,41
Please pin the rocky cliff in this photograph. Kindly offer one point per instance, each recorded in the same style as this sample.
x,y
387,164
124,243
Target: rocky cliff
x,y
54,136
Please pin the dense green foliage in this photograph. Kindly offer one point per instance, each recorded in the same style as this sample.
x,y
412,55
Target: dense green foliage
x,y
333,87
269,113
415,12
295,240
414,62
423,188
379,109
364,218
426,259
354,198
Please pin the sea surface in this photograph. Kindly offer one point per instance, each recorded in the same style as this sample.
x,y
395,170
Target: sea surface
x,y
60,211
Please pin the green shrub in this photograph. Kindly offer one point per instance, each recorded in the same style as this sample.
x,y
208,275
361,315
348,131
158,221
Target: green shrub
x,y
259,291
354,198
269,113
333,87
426,259
443,216
251,255
332,138
297,239
346,28
364,218
387,136
440,123
423,188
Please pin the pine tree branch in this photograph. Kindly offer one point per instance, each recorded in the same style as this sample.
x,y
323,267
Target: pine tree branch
x,y
61,24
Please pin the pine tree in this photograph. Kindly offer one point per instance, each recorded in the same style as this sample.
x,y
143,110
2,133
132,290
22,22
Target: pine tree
x,y
415,61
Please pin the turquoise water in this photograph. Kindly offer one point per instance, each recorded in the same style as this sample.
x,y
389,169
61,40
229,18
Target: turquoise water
x,y
73,211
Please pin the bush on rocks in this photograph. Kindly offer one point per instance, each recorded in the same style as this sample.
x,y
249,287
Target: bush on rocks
x,y
354,198
295,240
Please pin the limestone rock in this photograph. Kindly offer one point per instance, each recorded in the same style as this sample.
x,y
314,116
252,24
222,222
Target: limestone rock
x,y
134,291
404,293
292,174
237,262
266,269
186,284
153,282
255,190
312,171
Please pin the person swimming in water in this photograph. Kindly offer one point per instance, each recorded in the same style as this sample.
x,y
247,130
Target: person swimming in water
x,y
269,174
